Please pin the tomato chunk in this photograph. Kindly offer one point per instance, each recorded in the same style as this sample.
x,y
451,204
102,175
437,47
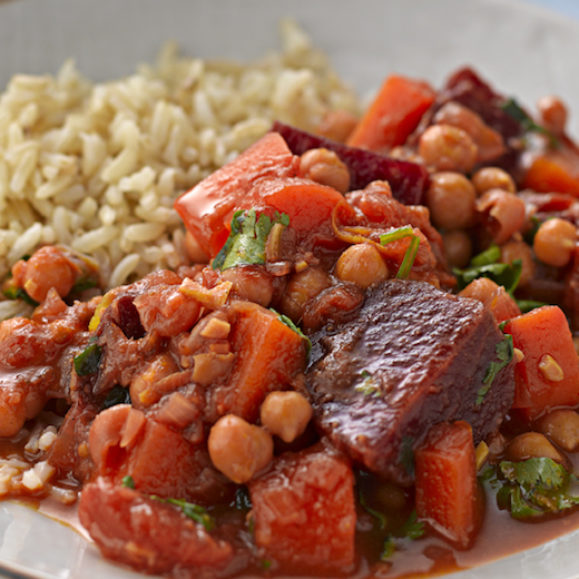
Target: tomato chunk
x,y
148,535
207,208
304,512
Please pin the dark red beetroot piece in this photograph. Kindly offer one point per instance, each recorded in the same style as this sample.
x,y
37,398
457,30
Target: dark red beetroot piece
x,y
408,180
149,535
414,356
304,512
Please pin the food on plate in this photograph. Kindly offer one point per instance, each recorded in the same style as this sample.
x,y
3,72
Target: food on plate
x,y
365,364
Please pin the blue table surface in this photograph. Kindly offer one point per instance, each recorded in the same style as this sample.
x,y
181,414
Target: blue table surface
x,y
564,7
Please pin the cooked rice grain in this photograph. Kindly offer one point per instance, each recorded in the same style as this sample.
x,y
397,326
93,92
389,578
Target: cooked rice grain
x,y
98,166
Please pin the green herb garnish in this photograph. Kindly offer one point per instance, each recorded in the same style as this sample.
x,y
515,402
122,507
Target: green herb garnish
x,y
290,324
117,395
128,482
13,292
380,517
82,284
195,512
410,255
486,264
246,242
368,386
534,488
515,111
87,362
528,305
412,529
504,350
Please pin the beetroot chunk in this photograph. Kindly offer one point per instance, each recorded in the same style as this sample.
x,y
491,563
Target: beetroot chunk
x,y
407,180
304,512
148,535
412,357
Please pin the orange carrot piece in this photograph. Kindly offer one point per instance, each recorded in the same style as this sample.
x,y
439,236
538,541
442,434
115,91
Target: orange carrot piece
x,y
548,374
268,355
553,173
207,209
446,484
393,115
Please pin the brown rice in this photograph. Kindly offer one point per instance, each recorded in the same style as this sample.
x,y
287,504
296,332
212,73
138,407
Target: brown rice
x,y
98,166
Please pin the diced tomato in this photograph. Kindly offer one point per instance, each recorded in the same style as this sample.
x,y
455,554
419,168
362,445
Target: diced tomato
x,y
207,208
147,534
304,512
548,374
309,206
446,484
123,442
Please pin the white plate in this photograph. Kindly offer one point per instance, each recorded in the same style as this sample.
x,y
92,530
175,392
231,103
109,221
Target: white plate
x,y
523,50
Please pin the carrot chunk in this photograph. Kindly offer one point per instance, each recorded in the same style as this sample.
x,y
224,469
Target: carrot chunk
x,y
556,171
446,485
393,115
548,374
268,355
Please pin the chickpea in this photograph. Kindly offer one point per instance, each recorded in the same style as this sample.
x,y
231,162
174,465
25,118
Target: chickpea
x,y
457,247
507,212
562,427
302,287
516,249
489,143
451,200
251,283
447,148
337,125
193,249
48,268
239,449
555,241
361,264
532,445
325,167
553,113
493,178
286,414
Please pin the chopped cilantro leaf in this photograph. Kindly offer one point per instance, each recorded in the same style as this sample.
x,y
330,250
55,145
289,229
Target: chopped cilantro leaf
x,y
504,350
528,305
195,512
246,242
388,548
290,324
486,264
128,482
117,395
368,386
413,528
87,362
12,292
242,499
533,488
380,517
514,110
